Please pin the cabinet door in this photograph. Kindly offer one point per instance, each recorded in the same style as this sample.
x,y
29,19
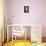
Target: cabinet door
x,y
36,33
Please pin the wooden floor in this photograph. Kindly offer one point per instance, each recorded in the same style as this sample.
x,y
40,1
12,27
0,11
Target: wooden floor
x,y
18,43
43,39
23,43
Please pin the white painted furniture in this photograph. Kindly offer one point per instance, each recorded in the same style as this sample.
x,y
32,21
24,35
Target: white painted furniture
x,y
36,33
17,30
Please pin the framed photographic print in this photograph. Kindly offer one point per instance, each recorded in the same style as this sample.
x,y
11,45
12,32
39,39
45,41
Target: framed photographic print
x,y
26,9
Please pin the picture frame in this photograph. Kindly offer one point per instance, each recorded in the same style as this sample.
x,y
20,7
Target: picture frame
x,y
26,9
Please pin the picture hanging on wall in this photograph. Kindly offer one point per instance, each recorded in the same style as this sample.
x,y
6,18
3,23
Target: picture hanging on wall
x,y
26,9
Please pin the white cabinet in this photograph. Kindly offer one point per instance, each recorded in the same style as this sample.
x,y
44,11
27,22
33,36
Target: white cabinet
x,y
36,33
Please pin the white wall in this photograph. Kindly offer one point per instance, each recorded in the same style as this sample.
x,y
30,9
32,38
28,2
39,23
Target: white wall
x,y
37,13
1,21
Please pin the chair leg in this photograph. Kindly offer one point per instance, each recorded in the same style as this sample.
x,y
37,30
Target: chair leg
x,y
12,36
15,38
25,36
